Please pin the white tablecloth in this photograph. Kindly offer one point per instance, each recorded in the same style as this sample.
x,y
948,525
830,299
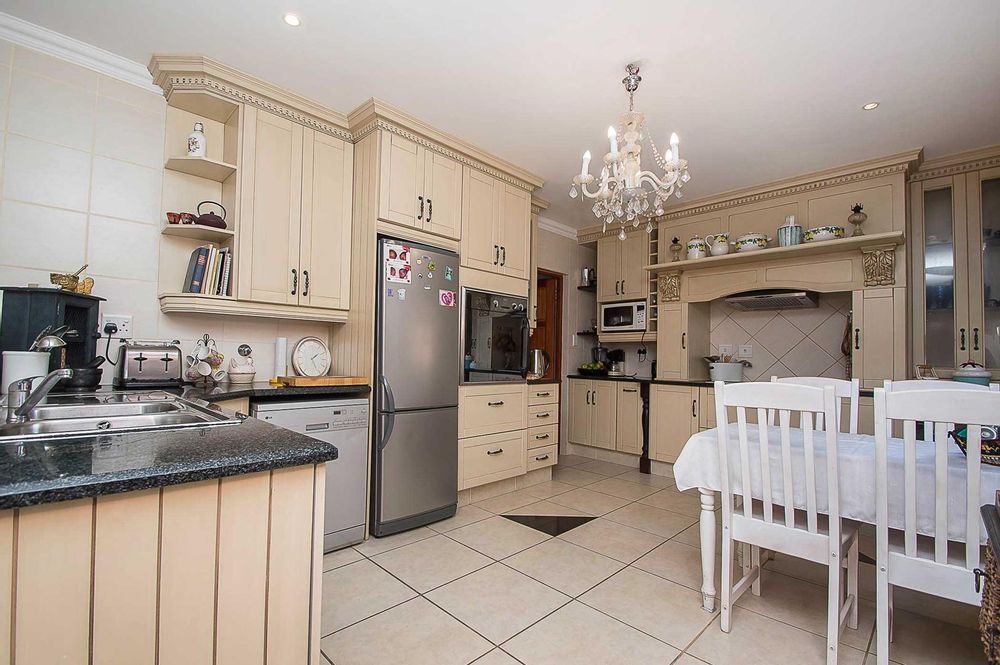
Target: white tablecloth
x,y
698,466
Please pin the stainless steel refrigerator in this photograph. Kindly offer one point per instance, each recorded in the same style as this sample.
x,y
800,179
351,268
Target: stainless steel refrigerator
x,y
417,367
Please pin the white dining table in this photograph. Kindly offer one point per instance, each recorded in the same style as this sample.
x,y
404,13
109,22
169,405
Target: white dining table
x,y
697,467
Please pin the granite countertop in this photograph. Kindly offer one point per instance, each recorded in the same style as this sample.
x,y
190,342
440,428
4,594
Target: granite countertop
x,y
697,383
36,472
542,382
261,390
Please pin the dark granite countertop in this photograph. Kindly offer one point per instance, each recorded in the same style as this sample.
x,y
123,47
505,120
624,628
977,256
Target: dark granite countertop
x,y
35,472
542,382
696,383
261,390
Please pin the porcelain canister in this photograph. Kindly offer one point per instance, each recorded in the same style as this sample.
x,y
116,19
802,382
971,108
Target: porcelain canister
x,y
790,233
718,243
696,248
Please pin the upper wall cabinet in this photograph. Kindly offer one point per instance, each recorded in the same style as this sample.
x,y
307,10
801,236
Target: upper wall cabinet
x,y
621,267
496,225
419,188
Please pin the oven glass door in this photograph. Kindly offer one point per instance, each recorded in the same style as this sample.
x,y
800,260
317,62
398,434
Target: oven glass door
x,y
618,317
496,341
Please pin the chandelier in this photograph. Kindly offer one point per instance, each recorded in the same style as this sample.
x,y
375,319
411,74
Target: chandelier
x,y
624,193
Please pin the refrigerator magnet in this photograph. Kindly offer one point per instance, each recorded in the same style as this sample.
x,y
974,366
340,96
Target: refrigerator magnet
x,y
388,293
449,273
401,293
446,298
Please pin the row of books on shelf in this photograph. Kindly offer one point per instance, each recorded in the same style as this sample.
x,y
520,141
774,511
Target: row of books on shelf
x,y
210,271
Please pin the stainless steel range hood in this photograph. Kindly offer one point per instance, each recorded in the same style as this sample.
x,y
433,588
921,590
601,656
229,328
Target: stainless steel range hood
x,y
773,299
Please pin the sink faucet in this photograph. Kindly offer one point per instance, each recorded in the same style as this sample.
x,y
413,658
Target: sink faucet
x,y
22,398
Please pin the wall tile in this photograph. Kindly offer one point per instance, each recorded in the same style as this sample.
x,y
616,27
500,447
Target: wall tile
x,y
126,250
251,330
829,336
39,237
778,336
43,173
188,326
807,359
41,108
54,68
761,361
125,190
125,92
129,133
4,94
752,322
130,297
17,276
807,320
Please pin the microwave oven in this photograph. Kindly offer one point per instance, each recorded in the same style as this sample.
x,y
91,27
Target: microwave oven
x,y
623,316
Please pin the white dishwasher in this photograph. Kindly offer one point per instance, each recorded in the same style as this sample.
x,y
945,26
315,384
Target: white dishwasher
x,y
344,423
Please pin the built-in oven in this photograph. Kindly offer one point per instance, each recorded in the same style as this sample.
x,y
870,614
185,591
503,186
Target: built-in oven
x,y
494,337
623,316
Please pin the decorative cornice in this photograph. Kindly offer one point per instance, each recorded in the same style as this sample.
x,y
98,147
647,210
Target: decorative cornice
x,y
539,205
975,160
595,233
557,228
52,43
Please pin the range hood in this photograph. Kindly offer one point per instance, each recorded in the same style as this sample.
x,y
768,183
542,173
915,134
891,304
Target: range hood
x,y
751,301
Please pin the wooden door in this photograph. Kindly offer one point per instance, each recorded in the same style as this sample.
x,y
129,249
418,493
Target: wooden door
x,y
515,232
443,195
271,210
673,415
401,180
628,438
580,414
325,256
634,277
608,261
480,220
547,334
604,404
670,327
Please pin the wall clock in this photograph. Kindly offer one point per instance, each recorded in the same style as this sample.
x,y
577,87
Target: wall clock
x,y
311,357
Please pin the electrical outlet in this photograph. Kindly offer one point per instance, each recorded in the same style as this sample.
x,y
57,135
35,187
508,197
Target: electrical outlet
x,y
746,351
123,321
726,349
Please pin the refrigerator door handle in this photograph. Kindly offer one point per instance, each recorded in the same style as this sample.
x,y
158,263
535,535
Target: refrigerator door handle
x,y
389,402
525,340
388,424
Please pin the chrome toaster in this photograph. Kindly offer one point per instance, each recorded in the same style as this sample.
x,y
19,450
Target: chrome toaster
x,y
148,365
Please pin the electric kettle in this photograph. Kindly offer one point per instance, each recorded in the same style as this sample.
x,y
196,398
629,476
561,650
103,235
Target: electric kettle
x,y
538,364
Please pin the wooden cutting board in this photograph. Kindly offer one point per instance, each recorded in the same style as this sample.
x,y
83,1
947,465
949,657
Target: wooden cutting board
x,y
299,381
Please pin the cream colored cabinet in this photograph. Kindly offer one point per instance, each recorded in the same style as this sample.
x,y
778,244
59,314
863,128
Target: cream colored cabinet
x,y
621,267
673,418
496,225
419,188
493,457
877,334
295,231
593,412
628,426
682,340
491,408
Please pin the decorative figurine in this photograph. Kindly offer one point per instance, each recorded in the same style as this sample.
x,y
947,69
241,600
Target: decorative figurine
x,y
675,249
857,218
241,369
196,141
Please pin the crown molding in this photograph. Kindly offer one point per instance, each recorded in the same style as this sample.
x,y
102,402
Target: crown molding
x,y
29,35
591,234
376,114
558,228
538,204
971,160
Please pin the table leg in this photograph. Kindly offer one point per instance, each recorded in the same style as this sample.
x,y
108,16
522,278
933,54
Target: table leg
x,y
707,528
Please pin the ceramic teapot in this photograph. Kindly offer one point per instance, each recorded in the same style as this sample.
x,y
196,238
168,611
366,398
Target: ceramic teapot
x,y
718,243
696,248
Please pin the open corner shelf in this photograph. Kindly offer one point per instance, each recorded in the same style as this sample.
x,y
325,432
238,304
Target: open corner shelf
x,y
590,287
202,167
586,333
198,232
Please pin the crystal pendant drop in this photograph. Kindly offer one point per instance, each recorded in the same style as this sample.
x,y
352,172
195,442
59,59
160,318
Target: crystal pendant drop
x,y
685,177
659,211
572,192
621,234
635,224
678,194
649,226
604,227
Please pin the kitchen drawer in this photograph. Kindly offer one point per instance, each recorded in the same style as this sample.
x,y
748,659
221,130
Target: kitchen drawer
x,y
539,458
546,393
487,459
543,435
543,414
491,409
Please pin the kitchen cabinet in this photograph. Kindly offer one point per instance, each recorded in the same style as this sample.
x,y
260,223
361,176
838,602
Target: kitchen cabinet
x,y
493,457
628,425
491,408
621,267
496,225
673,416
593,413
419,187
877,334
682,340
295,229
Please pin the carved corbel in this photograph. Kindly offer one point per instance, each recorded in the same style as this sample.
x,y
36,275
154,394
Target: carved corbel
x,y
879,264
669,285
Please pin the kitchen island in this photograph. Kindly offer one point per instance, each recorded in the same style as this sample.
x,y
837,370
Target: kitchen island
x,y
178,546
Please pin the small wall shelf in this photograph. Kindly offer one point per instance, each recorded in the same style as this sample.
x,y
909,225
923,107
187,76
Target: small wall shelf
x,y
198,232
202,167
590,287
199,303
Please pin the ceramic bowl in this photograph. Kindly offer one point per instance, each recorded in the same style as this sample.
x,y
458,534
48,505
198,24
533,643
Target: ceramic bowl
x,y
820,233
751,242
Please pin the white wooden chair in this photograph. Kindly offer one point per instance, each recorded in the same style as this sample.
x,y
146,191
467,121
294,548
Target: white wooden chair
x,y
844,389
939,569
923,384
770,521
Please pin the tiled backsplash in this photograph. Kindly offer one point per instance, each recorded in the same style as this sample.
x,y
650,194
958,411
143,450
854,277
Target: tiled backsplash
x,y
789,342
82,176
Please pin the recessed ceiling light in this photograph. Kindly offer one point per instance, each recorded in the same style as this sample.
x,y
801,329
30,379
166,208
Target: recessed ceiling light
x,y
293,20
870,106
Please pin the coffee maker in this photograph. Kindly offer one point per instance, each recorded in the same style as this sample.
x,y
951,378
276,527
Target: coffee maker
x,y
616,362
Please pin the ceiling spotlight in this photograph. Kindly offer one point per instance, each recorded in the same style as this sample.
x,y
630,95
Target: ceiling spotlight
x,y
294,21
870,106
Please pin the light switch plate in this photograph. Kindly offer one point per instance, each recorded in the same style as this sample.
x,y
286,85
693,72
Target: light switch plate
x,y
746,351
725,349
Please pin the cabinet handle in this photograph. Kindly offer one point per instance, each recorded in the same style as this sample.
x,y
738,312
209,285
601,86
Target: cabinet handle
x,y
857,339
541,436
543,415
496,254
430,210
421,215
593,399
295,280
694,404
500,403
623,287
684,337
494,452
503,261
588,397
629,390
541,458
545,394
962,339
305,287
617,292
975,339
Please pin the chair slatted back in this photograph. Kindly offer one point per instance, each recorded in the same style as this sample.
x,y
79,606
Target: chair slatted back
x,y
939,408
843,389
924,384
783,399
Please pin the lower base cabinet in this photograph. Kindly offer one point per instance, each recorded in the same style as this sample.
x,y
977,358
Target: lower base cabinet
x,y
673,418
487,459
606,414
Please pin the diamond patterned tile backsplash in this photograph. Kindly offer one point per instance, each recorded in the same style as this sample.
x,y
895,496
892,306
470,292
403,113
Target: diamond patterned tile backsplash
x,y
791,342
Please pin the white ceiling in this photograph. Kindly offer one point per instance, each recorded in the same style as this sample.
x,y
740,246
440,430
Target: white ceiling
x,y
756,90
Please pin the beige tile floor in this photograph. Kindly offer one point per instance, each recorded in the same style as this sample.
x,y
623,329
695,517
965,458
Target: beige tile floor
x,y
623,588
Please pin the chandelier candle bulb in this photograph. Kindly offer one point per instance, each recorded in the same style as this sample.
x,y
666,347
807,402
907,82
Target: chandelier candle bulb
x,y
674,147
613,137
586,164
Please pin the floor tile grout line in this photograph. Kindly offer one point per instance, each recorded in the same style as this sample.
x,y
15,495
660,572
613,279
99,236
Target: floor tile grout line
x,y
799,628
493,645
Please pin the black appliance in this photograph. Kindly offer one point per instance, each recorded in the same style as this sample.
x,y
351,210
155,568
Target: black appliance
x,y
495,336
25,311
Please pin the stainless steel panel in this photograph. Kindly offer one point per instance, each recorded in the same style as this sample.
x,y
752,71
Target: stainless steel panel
x,y
417,462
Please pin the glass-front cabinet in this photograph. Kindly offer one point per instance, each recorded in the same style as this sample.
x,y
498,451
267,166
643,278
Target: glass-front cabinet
x,y
955,270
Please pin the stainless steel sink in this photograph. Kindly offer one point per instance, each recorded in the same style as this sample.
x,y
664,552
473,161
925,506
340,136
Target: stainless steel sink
x,y
111,413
